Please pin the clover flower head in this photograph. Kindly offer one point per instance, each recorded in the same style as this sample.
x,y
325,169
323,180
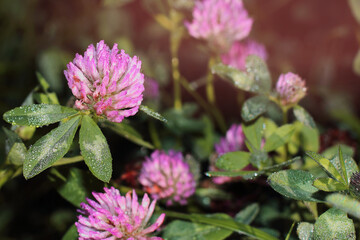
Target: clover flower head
x,y
167,176
290,88
106,81
113,216
233,141
240,50
220,22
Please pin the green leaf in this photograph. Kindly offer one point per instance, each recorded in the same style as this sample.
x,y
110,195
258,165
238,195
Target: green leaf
x,y
240,79
326,165
334,224
223,222
182,121
244,174
204,145
345,203
254,107
127,132
329,185
259,159
50,148
252,174
305,231
256,78
248,214
206,194
44,85
342,164
179,230
279,137
304,117
38,114
152,113
233,160
309,138
48,98
296,184
71,233
11,139
17,154
78,185
279,166
350,166
254,132
333,151
95,149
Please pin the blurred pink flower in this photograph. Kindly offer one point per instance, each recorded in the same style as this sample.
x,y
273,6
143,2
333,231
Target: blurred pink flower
x,y
113,216
220,22
233,141
151,88
106,81
167,176
239,51
290,88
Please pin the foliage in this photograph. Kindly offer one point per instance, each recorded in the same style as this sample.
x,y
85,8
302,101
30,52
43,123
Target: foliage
x,y
282,175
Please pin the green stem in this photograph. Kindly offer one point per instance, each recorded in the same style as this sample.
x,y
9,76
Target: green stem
x,y
240,97
285,121
211,110
229,224
154,135
5,175
174,47
210,92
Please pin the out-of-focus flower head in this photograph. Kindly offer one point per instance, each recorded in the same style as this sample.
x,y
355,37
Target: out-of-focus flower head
x,y
290,88
233,141
151,88
167,176
220,22
113,216
106,81
239,51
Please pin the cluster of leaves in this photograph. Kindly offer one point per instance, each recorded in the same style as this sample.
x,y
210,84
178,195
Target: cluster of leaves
x,y
273,144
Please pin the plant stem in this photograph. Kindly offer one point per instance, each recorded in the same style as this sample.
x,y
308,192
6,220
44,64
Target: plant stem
x,y
210,92
175,38
154,135
285,121
211,110
240,97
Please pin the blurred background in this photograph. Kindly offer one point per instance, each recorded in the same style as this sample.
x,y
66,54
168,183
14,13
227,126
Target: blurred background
x,y
316,39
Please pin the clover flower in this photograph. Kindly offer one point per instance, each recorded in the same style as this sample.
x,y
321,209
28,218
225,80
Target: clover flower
x,y
290,88
233,141
239,51
113,216
106,82
167,176
220,22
